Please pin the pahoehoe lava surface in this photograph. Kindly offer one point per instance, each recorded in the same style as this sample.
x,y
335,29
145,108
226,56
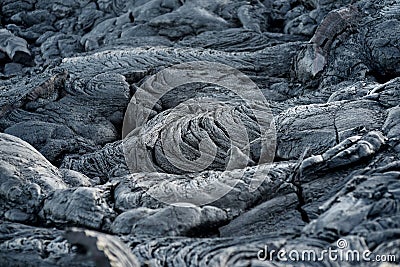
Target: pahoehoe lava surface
x,y
69,69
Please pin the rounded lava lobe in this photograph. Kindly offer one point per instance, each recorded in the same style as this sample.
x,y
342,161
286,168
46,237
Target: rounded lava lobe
x,y
382,47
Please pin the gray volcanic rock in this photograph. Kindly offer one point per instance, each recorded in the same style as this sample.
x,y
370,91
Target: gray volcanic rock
x,y
368,198
77,206
152,190
51,139
331,123
178,221
15,47
199,132
102,249
266,217
26,179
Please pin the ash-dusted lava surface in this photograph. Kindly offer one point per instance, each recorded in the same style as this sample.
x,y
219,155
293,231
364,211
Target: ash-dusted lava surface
x,y
69,70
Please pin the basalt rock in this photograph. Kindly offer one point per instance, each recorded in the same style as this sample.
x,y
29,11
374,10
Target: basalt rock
x,y
15,47
26,179
115,152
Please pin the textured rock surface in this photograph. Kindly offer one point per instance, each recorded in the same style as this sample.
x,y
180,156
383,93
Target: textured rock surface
x,y
78,187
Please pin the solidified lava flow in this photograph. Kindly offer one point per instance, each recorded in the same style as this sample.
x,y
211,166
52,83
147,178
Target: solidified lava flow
x,y
199,132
